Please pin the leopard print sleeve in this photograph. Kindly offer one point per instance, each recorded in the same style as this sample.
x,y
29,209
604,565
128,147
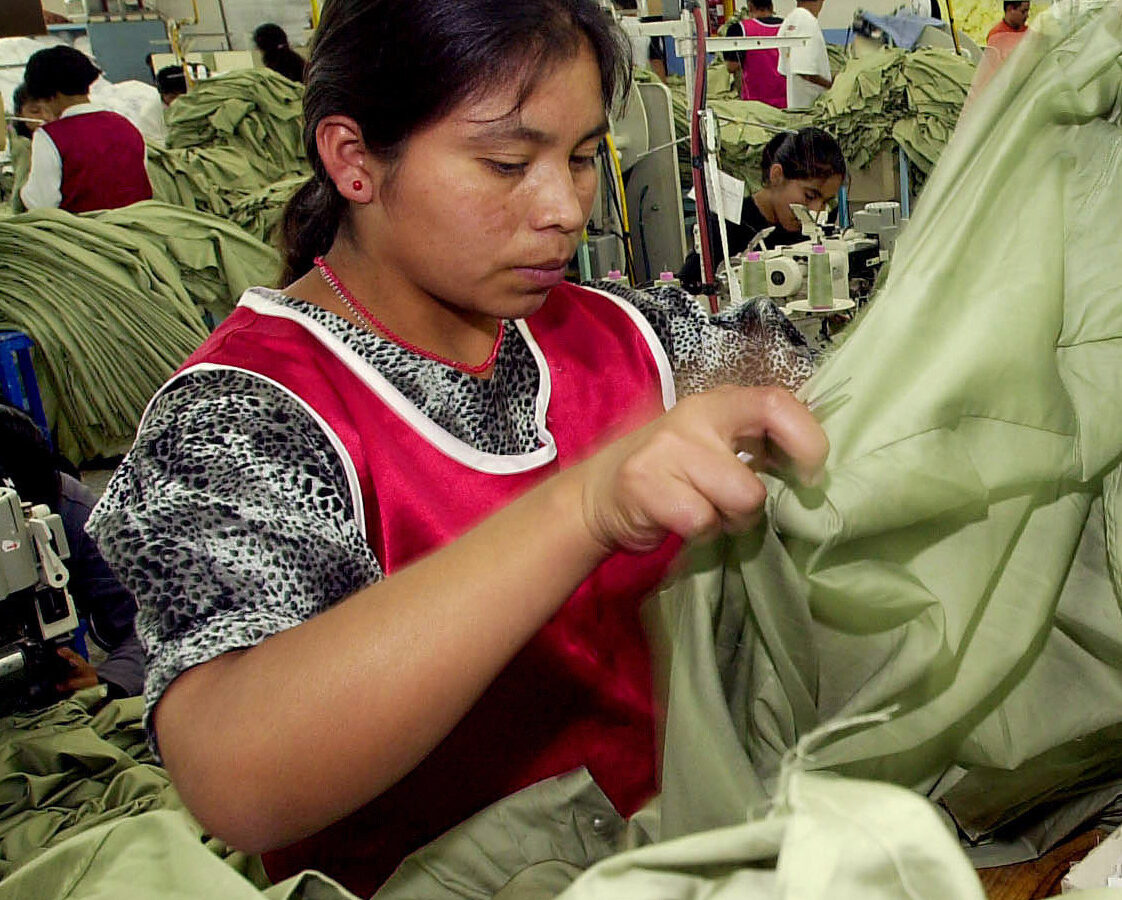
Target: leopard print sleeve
x,y
751,344
230,520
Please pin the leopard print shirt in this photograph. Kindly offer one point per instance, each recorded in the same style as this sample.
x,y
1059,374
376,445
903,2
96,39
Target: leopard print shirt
x,y
230,519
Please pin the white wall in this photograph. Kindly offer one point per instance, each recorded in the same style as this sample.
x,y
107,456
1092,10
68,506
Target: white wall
x,y
241,17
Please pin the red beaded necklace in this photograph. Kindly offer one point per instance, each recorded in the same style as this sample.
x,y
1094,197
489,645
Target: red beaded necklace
x,y
368,318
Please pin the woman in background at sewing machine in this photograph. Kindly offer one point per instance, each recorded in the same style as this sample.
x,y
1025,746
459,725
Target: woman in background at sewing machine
x,y
386,557
85,158
30,465
798,167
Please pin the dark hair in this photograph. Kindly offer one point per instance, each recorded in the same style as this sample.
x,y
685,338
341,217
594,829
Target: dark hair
x,y
271,40
27,459
761,4
269,37
1008,3
395,66
806,153
171,80
19,98
59,70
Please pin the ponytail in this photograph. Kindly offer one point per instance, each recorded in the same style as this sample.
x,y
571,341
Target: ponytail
x,y
311,220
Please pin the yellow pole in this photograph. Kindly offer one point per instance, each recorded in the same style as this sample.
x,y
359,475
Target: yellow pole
x,y
730,9
954,31
315,14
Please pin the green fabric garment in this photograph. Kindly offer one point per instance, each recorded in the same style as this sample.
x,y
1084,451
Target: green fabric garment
x,y
961,561
235,149
255,111
260,213
892,96
115,301
68,776
19,148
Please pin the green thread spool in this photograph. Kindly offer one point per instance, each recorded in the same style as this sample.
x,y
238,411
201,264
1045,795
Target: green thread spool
x,y
753,275
820,284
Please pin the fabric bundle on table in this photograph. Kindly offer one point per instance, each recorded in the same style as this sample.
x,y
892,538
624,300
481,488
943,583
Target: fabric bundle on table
x,y
115,301
230,140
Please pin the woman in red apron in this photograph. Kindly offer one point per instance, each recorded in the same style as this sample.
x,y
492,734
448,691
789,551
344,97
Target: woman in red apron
x,y
390,528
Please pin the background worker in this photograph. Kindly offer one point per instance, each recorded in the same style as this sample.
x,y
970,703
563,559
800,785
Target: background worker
x,y
276,53
757,71
86,158
806,68
171,82
804,167
1014,22
29,463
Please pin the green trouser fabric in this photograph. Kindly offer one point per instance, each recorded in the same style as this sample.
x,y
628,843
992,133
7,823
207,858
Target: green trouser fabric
x,y
71,774
115,301
961,561
892,96
256,111
20,149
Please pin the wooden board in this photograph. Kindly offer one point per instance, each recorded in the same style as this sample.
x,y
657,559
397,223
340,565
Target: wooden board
x,y
19,18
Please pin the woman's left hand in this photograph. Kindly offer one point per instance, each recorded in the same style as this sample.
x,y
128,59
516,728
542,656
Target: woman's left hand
x,y
81,675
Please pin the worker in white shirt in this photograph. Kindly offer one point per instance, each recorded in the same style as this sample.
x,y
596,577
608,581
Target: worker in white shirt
x,y
806,67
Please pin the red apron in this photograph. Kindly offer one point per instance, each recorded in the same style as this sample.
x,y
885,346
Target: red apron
x,y
579,693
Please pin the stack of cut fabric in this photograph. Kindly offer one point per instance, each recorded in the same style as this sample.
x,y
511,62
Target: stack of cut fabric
x,y
207,179
230,139
115,301
910,97
256,111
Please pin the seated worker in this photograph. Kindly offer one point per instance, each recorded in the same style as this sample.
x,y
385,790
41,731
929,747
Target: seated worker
x,y
758,70
171,82
804,166
277,55
86,158
385,554
1014,22
29,464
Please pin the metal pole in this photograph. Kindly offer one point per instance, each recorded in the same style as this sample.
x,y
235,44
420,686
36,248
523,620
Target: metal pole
x,y
905,185
225,25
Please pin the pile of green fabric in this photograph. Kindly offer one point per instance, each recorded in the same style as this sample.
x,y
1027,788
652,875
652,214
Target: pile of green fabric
x,y
260,212
79,765
909,97
893,95
115,301
255,111
230,140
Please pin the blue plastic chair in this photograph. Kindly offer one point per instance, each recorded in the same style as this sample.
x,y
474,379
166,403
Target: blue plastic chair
x,y
17,377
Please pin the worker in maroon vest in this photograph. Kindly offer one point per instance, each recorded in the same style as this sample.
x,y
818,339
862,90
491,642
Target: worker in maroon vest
x,y
88,158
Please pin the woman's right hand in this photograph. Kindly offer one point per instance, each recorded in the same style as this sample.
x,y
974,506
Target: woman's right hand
x,y
681,473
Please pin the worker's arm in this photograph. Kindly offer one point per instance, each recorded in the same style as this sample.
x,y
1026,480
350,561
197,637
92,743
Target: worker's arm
x,y
817,79
44,182
323,717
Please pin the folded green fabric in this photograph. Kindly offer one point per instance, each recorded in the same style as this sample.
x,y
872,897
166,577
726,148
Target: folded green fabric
x,y
256,111
115,301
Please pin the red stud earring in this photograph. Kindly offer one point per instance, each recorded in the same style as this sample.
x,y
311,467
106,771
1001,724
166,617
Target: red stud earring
x,y
357,185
